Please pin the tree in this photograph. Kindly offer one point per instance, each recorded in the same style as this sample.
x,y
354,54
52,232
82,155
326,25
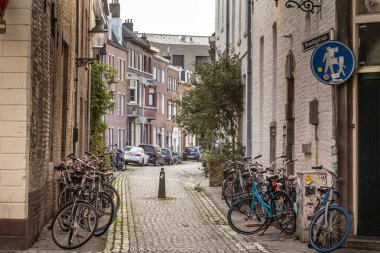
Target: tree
x,y
212,109
100,103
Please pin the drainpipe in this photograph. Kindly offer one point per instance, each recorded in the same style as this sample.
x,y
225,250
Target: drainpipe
x,y
228,24
77,50
249,81
89,86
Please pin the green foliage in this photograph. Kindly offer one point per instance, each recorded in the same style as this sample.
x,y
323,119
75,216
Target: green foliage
x,y
212,109
100,103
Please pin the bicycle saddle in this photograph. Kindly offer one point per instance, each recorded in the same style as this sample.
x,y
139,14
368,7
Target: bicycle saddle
x,y
323,190
292,178
272,177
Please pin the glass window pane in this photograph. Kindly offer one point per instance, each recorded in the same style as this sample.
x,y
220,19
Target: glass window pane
x,y
369,44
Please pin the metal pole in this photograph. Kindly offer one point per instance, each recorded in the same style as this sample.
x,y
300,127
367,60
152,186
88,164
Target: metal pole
x,y
249,82
161,186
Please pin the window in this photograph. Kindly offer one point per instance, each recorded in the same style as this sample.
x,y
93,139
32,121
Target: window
x,y
118,67
368,6
178,60
110,136
141,62
112,61
200,60
122,106
132,59
369,47
151,101
169,109
122,70
174,110
109,62
120,137
118,103
162,76
133,91
150,65
162,103
158,74
154,73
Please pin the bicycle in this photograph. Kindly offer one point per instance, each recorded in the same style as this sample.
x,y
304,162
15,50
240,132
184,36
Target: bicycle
x,y
330,225
249,215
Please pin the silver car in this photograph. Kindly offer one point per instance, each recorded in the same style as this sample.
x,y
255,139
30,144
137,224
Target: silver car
x,y
136,155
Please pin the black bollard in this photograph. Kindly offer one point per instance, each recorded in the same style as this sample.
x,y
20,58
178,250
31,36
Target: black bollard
x,y
161,187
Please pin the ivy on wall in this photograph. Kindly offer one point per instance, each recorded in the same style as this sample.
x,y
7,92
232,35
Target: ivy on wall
x,y
101,101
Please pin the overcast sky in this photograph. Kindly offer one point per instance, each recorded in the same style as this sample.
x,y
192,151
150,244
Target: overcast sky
x,y
187,17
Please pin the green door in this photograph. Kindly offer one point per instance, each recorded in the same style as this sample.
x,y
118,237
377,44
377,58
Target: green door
x,y
369,154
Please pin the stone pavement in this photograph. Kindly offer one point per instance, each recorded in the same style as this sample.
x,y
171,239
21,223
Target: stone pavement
x,y
191,219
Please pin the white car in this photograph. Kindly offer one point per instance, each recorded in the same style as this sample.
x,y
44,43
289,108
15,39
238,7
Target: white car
x,y
134,154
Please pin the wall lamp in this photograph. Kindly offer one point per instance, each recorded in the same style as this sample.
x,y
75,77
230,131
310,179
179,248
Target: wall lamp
x,y
98,36
3,23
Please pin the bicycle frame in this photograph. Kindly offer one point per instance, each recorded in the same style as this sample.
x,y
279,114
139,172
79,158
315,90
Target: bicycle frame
x,y
256,194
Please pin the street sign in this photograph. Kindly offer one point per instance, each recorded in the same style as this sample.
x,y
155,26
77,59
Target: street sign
x,y
332,63
312,43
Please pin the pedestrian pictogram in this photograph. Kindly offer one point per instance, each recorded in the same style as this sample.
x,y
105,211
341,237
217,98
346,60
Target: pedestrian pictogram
x,y
332,62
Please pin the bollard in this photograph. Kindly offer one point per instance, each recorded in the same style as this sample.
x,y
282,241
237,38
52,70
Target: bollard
x,y
161,186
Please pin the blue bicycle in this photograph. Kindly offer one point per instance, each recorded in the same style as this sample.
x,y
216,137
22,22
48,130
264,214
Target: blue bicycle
x,y
255,213
331,223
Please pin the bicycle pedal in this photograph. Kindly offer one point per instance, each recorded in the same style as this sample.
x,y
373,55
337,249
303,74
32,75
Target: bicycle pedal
x,y
309,246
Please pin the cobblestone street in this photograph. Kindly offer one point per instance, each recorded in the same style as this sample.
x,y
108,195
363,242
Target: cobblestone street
x,y
191,219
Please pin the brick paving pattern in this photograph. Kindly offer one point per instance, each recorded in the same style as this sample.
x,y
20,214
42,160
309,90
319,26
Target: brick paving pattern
x,y
191,219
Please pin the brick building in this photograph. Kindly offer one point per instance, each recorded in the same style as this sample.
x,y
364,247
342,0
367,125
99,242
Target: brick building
x,y
116,57
43,96
280,119
141,96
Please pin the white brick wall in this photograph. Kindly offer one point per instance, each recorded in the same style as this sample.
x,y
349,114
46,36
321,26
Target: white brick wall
x,y
15,51
306,86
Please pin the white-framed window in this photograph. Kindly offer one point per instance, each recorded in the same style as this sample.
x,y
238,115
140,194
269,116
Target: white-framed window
x,y
174,110
112,61
162,104
169,109
130,58
122,70
118,103
151,96
133,91
140,62
154,73
132,65
162,76
120,137
110,136
122,106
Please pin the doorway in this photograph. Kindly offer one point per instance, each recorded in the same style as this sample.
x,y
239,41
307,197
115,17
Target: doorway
x,y
369,154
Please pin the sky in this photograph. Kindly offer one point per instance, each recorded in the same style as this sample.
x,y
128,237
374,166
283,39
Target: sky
x,y
180,17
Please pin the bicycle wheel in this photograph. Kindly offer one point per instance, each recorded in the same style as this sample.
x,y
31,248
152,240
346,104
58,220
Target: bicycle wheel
x,y
111,190
79,222
105,209
247,218
228,192
327,237
284,214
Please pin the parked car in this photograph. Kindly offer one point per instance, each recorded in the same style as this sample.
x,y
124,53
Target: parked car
x,y
155,154
169,156
192,153
133,154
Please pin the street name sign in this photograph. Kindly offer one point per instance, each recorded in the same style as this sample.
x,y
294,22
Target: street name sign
x,y
332,62
313,42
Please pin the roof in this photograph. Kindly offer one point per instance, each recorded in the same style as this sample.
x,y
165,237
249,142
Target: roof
x,y
178,39
131,36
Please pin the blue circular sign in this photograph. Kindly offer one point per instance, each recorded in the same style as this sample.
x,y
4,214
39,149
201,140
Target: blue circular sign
x,y
332,62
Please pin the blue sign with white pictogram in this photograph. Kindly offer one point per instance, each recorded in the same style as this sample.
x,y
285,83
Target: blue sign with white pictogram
x,y
332,62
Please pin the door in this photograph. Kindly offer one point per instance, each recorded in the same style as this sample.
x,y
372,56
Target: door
x,y
369,154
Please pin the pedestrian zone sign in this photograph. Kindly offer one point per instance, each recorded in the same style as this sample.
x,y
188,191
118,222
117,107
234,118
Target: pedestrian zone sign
x,y
332,63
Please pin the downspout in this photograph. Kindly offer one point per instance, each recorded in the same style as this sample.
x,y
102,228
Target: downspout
x,y
249,80
228,25
89,86
77,50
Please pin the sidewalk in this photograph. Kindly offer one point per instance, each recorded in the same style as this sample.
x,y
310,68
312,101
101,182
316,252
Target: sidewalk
x,y
272,239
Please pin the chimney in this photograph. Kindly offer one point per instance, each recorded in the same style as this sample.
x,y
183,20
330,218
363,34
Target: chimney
x,y
129,24
143,36
115,10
